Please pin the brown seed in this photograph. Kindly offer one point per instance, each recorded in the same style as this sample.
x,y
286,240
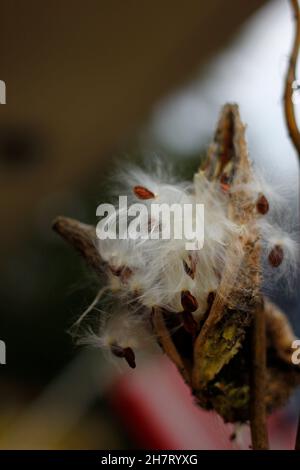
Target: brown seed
x,y
276,256
126,353
116,271
224,182
123,272
129,356
189,323
224,178
262,205
225,187
188,301
126,273
190,270
210,298
143,193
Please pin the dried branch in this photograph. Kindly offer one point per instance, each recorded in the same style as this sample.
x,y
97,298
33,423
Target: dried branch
x,y
290,114
82,237
164,338
280,333
258,416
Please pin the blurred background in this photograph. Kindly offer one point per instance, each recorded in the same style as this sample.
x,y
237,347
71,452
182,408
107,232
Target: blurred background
x,y
89,85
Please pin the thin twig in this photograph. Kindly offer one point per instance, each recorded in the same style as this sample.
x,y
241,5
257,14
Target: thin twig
x,y
289,108
90,307
258,418
290,114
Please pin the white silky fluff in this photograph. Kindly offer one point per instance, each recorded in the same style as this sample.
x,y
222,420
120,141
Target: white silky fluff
x,y
157,275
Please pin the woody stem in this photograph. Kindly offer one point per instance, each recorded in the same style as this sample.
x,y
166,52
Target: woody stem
x,y
289,108
258,419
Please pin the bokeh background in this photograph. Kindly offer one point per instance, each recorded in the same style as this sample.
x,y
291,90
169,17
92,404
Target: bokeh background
x,y
90,85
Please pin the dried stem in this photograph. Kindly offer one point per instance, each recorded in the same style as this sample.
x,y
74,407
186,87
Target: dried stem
x,y
82,237
258,417
163,336
290,115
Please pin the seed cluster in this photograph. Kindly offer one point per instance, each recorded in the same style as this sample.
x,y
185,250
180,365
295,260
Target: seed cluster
x,y
145,274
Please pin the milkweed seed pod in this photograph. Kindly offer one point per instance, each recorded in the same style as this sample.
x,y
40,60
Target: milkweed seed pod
x,y
199,304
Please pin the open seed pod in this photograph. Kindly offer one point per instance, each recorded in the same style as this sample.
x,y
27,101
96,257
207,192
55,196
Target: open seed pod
x,y
212,350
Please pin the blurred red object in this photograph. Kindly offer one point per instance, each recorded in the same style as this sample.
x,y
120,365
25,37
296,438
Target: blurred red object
x,y
159,411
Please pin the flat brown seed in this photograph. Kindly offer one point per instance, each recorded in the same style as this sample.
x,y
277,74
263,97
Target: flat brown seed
x,y
130,357
116,271
189,323
224,178
189,270
262,205
224,182
225,187
126,353
123,272
276,256
143,193
210,298
188,301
